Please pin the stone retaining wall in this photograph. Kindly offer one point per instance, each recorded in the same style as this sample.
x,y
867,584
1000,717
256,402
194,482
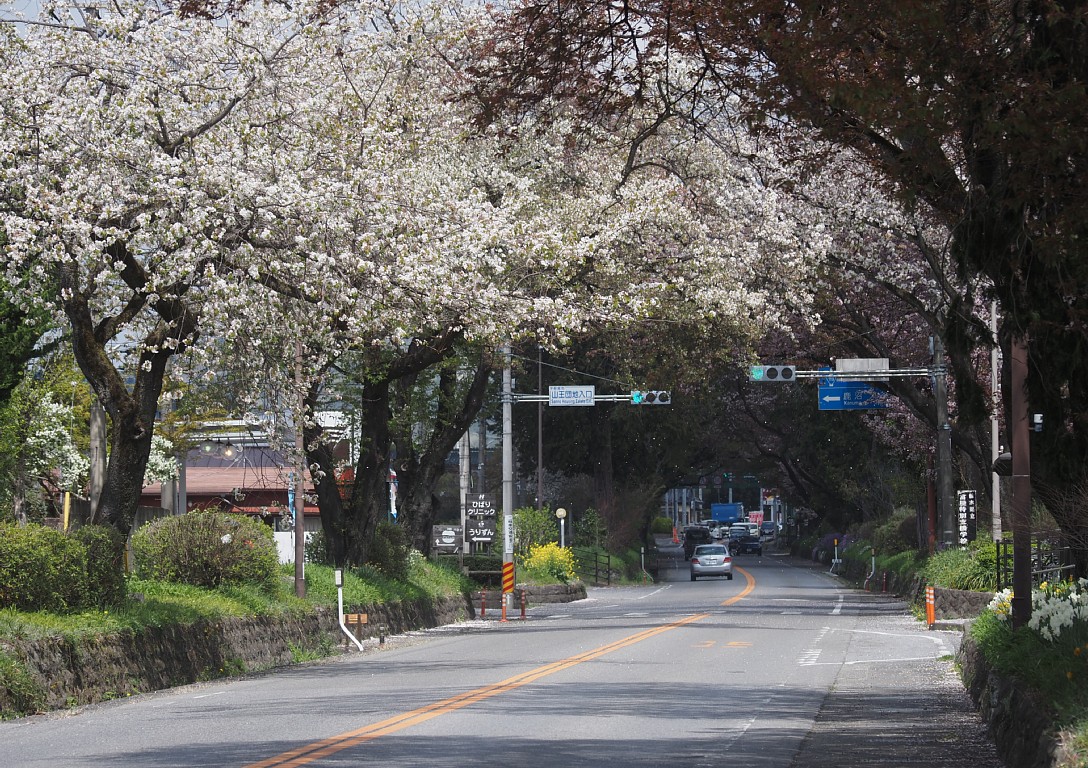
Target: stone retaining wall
x,y
534,595
67,672
1021,725
959,604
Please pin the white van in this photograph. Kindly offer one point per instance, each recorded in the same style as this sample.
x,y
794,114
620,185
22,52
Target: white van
x,y
738,529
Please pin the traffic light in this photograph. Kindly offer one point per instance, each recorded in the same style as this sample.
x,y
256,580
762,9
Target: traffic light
x,y
650,397
774,373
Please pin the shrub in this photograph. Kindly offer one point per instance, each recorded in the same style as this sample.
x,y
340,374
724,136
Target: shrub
x,y
533,526
589,529
207,549
974,568
105,548
20,693
898,533
389,551
549,561
41,569
316,548
661,525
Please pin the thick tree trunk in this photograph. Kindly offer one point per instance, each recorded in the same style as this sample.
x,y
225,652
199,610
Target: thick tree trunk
x,y
132,412
349,522
420,471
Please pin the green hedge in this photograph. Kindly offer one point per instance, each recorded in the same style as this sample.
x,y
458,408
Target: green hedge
x,y
661,525
105,563
207,549
974,568
41,569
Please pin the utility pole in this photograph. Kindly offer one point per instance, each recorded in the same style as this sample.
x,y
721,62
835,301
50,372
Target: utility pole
x,y
995,434
464,456
1021,484
507,459
300,502
945,510
539,429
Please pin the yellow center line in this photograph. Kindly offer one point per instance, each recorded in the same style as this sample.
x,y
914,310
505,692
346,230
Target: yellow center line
x,y
330,746
748,587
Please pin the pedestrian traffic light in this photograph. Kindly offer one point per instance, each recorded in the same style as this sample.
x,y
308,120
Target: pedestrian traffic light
x,y
773,373
650,397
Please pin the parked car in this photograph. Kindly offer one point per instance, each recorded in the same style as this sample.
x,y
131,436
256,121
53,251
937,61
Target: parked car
x,y
768,529
694,535
711,560
746,545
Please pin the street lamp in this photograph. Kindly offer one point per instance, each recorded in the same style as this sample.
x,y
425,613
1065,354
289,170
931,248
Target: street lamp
x,y
562,515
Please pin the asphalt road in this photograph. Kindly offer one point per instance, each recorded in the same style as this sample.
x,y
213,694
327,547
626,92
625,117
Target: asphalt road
x,y
782,666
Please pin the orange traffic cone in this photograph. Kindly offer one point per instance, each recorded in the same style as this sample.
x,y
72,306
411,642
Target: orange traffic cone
x,y
675,537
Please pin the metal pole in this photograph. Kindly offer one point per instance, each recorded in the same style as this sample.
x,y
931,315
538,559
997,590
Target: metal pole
x,y
945,509
507,461
465,458
300,502
539,429
481,456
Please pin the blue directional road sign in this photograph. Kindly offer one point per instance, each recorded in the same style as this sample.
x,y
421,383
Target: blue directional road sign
x,y
838,395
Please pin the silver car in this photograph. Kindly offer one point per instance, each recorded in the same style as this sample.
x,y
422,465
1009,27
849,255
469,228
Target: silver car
x,y
711,560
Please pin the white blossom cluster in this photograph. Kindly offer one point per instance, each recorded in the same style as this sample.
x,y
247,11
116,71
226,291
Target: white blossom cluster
x,y
161,464
1054,607
48,446
307,171
1058,607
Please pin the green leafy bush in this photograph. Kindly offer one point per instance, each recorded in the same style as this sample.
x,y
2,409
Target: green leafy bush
x,y
19,693
661,525
207,549
898,533
532,526
589,529
974,568
41,569
105,548
389,551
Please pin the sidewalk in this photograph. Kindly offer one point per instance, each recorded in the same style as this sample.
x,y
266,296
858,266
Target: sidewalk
x,y
898,713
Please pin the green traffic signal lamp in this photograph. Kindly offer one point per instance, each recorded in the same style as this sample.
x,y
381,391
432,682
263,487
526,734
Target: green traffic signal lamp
x,y
651,397
775,373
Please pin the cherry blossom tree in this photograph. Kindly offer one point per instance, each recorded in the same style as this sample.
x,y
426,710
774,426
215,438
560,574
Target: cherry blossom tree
x,y
213,192
972,108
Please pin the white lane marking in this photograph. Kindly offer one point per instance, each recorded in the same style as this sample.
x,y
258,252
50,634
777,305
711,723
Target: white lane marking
x,y
838,608
209,695
656,591
865,661
936,639
809,657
